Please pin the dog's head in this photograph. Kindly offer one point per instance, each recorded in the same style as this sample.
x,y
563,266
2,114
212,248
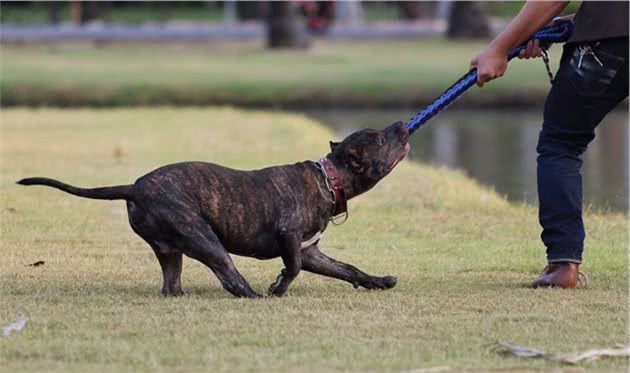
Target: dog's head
x,y
367,156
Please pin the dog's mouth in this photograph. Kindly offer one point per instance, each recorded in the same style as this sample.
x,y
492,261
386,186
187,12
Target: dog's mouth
x,y
404,139
406,150
403,151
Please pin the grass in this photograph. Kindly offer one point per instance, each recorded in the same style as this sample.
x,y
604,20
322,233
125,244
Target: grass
x,y
375,72
462,253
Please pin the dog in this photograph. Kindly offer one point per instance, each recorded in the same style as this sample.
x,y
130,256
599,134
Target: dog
x,y
206,211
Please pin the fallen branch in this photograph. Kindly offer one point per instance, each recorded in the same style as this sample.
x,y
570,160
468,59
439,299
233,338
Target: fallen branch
x,y
565,357
17,325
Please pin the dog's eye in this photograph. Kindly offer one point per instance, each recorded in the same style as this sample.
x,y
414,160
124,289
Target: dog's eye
x,y
381,141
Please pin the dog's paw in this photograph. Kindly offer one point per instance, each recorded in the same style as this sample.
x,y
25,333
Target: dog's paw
x,y
382,283
173,292
277,289
278,294
251,295
389,282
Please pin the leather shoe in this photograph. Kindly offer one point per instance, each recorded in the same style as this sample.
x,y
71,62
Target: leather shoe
x,y
562,275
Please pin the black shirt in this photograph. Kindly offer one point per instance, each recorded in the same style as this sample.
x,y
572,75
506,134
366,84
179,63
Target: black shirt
x,y
596,20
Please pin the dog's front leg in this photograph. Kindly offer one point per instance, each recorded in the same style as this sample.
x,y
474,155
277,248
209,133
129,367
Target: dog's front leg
x,y
315,261
289,243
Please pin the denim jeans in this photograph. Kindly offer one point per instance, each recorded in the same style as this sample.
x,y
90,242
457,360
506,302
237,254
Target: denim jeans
x,y
592,79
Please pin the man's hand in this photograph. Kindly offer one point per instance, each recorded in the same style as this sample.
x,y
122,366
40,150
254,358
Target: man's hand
x,y
533,46
491,63
532,50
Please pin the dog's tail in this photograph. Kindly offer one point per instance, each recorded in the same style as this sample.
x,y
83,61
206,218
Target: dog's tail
x,y
113,192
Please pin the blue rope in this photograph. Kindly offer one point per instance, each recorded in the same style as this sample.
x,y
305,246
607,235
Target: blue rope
x,y
559,32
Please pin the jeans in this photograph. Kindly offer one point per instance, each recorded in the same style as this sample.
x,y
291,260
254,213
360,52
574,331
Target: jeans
x,y
592,79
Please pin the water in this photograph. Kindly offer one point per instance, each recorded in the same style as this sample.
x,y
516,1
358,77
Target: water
x,y
498,147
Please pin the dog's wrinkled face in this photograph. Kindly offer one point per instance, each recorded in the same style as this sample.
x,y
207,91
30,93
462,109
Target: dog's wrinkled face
x,y
369,155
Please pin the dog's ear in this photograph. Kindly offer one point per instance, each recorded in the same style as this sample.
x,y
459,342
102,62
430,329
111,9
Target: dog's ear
x,y
333,145
356,160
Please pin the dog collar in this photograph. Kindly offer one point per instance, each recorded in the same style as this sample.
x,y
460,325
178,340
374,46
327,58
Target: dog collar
x,y
335,186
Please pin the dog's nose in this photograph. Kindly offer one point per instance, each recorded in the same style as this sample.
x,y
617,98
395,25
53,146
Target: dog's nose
x,y
395,127
399,130
404,129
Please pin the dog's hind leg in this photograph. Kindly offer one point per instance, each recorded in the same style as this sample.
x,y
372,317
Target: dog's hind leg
x,y
147,227
198,241
315,261
171,263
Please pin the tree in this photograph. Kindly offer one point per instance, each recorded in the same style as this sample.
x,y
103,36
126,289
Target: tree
x,y
251,10
415,10
85,11
468,20
285,26
54,8
348,12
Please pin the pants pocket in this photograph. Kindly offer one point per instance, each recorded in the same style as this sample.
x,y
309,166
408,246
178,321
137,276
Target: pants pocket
x,y
592,69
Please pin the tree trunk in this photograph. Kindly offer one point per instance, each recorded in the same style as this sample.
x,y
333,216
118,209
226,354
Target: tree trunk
x,y
349,13
53,12
286,27
85,11
468,20
76,12
251,10
416,10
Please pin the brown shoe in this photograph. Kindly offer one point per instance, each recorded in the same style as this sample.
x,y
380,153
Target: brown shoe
x,y
563,275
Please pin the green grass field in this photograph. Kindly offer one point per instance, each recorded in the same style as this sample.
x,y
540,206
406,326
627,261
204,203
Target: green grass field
x,y
463,255
374,72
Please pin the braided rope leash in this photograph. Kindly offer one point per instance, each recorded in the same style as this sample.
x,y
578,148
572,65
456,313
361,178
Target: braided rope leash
x,y
558,32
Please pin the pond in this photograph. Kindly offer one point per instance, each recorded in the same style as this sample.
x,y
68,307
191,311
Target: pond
x,y
498,148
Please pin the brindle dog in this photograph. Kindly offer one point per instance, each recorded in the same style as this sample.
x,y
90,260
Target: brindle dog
x,y
206,211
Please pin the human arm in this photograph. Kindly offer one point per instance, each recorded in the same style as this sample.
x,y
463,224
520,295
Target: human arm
x,y
491,63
